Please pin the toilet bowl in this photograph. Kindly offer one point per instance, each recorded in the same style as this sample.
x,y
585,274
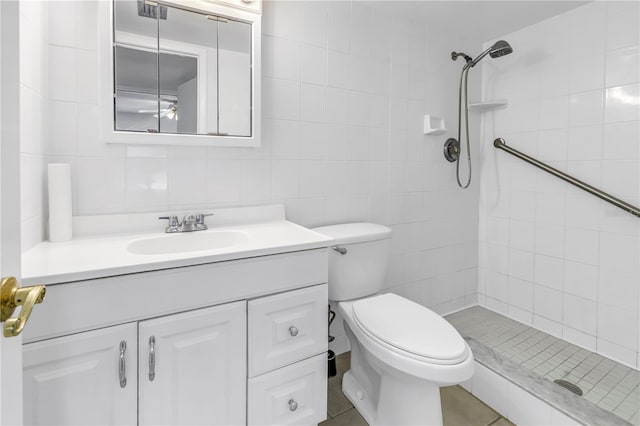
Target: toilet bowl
x,y
401,352
397,368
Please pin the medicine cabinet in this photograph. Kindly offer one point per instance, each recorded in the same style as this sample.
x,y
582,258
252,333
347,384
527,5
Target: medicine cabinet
x,y
180,72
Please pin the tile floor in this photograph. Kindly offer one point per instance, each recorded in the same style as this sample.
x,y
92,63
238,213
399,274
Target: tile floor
x,y
459,407
604,382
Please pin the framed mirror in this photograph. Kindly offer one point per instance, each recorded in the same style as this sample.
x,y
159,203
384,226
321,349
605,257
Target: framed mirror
x,y
180,73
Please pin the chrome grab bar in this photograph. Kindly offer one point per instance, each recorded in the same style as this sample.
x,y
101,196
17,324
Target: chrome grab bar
x,y
501,144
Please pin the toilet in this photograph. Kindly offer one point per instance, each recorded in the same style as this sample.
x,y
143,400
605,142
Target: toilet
x,y
401,352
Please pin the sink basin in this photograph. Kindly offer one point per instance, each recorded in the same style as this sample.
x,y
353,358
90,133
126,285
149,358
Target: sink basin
x,y
187,242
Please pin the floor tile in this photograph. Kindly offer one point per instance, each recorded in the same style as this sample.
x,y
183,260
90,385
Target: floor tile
x,y
350,418
337,403
502,422
460,408
343,363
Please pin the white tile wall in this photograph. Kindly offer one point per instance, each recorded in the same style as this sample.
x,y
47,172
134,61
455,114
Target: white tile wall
x,y
34,120
344,90
580,255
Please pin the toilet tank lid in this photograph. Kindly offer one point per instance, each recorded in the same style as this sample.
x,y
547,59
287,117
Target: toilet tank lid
x,y
346,233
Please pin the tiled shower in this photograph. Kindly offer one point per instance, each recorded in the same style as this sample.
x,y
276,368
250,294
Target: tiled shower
x,y
551,255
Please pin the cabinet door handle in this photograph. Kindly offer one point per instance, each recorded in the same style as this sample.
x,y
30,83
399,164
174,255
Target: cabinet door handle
x,y
293,331
122,366
152,358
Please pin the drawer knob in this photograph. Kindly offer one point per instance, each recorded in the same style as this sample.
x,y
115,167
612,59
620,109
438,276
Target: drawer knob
x,y
293,331
293,406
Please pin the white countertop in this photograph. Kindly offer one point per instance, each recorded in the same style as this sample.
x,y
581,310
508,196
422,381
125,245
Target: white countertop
x,y
100,256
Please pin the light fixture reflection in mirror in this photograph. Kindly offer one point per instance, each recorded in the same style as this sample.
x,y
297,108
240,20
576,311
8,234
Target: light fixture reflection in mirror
x,y
168,110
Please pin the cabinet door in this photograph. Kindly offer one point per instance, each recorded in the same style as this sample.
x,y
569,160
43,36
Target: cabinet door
x,y
84,379
193,367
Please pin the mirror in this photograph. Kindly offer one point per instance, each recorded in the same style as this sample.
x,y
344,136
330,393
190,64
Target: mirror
x,y
234,68
180,71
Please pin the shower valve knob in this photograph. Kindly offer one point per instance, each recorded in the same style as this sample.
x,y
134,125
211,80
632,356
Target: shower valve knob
x,y
451,150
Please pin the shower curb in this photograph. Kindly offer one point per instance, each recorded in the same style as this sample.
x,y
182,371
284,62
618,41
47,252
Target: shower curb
x,y
561,399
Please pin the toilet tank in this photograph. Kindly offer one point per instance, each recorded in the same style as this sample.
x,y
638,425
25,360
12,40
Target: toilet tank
x,y
361,271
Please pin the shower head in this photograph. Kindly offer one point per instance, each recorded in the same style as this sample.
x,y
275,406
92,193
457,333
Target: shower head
x,y
499,48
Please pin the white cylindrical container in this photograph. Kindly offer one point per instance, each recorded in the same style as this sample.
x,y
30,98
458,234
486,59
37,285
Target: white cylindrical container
x,y
60,202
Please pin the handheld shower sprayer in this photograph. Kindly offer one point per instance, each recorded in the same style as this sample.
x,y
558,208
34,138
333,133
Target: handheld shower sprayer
x,y
452,146
499,48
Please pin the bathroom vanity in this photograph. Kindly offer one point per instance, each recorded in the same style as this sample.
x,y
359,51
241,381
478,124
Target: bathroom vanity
x,y
228,335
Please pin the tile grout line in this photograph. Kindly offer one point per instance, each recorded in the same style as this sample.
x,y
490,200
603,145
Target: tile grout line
x,y
497,420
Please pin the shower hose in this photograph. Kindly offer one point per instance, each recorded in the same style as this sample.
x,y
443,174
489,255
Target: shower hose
x,y
463,78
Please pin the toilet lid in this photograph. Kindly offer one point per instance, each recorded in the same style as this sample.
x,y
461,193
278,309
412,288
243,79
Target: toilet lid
x,y
410,327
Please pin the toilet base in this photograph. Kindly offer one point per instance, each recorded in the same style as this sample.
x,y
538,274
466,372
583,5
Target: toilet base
x,y
384,396
356,395
414,405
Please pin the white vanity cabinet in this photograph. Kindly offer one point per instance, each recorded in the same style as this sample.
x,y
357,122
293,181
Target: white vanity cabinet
x,y
189,369
229,343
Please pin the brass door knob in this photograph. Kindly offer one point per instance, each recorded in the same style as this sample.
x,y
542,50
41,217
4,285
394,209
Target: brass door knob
x,y
12,296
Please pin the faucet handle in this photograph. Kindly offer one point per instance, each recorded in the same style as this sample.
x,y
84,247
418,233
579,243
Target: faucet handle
x,y
189,223
189,218
174,223
200,225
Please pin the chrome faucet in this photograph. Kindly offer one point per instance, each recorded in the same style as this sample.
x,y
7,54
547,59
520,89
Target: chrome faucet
x,y
190,223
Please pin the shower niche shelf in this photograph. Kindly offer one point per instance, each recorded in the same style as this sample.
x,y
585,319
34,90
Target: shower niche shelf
x,y
434,125
491,105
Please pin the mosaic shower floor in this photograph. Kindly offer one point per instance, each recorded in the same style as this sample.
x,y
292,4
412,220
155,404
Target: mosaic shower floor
x,y
604,382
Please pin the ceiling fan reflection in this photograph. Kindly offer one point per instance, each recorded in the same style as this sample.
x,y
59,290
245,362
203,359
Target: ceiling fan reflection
x,y
171,112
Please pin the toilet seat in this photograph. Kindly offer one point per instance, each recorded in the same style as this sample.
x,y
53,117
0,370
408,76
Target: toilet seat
x,y
409,329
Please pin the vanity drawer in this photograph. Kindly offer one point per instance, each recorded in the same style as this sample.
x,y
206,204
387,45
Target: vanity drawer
x,y
293,395
286,328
